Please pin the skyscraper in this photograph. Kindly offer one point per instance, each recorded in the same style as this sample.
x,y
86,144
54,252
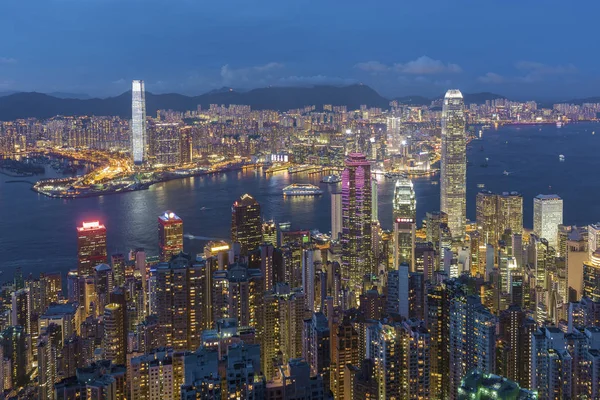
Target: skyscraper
x,y
356,220
139,140
115,347
405,206
453,180
336,215
547,215
164,143
170,235
91,244
591,277
246,225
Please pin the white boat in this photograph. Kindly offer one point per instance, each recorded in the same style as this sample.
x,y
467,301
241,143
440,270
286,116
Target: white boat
x,y
561,157
481,185
302,189
331,179
506,172
559,124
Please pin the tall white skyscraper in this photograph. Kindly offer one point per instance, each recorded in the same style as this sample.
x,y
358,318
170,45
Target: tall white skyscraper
x,y
453,180
336,216
547,215
139,139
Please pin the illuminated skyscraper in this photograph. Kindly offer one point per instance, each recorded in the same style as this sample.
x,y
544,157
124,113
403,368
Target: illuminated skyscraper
x,y
246,225
114,345
336,215
510,212
453,180
591,277
356,220
345,349
164,143
486,207
170,235
91,243
186,153
139,139
405,212
496,213
547,215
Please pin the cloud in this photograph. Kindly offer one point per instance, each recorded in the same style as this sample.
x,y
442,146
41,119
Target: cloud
x,y
421,66
236,76
531,72
8,60
491,77
372,66
426,66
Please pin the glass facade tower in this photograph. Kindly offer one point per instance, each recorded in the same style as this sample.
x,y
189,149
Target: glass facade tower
x,y
453,181
139,140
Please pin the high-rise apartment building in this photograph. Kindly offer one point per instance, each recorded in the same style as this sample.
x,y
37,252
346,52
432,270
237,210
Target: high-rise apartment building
x,y
496,213
547,215
139,139
246,224
344,351
115,347
164,143
453,179
170,235
356,220
591,277
91,247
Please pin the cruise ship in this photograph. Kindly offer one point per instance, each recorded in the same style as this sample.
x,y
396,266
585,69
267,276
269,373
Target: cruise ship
x,y
301,189
331,179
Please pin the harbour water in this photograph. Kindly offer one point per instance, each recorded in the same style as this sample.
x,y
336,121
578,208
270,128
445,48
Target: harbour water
x,y
38,233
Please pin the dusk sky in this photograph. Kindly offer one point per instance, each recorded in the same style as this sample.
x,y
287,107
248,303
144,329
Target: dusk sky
x,y
543,49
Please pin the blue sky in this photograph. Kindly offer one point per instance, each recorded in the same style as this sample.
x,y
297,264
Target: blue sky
x,y
521,48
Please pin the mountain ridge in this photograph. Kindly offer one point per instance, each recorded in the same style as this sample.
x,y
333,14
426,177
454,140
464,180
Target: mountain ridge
x,y
39,105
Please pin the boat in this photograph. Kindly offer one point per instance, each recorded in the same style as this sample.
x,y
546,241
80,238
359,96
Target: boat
x,y
395,175
481,185
559,124
593,132
331,179
561,157
301,189
506,172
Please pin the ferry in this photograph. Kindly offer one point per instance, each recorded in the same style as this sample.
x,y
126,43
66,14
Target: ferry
x,y
331,179
301,189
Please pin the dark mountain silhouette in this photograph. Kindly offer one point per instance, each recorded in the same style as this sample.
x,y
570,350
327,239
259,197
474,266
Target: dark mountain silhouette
x,y
39,105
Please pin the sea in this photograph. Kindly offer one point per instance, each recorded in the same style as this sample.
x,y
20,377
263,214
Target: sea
x,y
38,233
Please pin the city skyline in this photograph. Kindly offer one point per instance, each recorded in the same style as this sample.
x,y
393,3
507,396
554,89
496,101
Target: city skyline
x,y
424,67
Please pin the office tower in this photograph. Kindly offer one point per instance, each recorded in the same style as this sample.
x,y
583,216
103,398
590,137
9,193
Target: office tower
x,y
547,215
246,227
486,215
510,213
472,341
316,350
453,179
356,220
591,277
177,296
20,309
91,244
13,341
100,380
139,139
336,216
164,144
404,212
479,386
170,235
593,239
345,350
114,346
269,232
66,315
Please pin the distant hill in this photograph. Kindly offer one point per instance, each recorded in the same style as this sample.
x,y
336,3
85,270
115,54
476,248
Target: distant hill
x,y
39,105
413,100
477,98
62,95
